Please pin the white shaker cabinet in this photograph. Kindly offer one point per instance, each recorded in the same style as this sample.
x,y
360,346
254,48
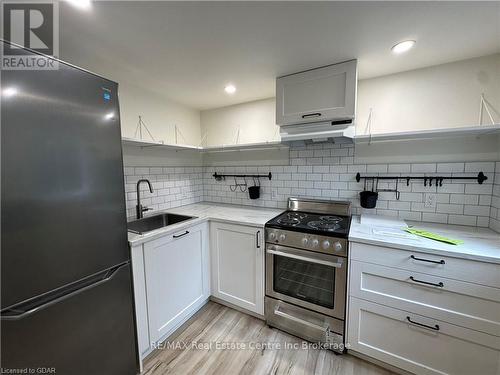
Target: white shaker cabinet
x,y
237,265
176,279
171,282
317,95
424,313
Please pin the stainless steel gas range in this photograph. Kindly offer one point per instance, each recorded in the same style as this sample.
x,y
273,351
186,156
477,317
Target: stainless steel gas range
x,y
306,270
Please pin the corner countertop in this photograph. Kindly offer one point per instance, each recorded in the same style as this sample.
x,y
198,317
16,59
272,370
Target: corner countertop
x,y
253,216
480,244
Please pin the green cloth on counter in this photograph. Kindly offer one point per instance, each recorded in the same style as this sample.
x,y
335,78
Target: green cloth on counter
x,y
433,236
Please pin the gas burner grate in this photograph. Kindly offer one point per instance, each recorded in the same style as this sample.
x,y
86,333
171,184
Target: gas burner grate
x,y
329,226
292,218
289,221
331,218
298,215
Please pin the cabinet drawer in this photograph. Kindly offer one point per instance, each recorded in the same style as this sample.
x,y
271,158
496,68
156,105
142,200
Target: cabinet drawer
x,y
386,334
461,303
453,268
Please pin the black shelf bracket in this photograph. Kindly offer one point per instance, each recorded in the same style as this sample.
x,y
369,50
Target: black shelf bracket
x,y
438,180
219,176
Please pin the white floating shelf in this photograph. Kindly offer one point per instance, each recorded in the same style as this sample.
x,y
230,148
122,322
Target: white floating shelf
x,y
220,148
384,137
430,134
245,146
146,144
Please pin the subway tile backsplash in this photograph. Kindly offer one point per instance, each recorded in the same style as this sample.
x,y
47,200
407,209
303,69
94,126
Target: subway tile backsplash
x,y
172,187
327,171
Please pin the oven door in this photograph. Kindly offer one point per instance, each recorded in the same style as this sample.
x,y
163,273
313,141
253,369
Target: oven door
x,y
308,279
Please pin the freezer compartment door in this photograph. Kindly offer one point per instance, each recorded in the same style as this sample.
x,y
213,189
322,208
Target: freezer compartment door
x,y
63,200
89,330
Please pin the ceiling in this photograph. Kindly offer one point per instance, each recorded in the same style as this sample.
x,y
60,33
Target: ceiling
x,y
189,51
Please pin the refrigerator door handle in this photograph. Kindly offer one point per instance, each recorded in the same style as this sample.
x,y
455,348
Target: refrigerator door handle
x,y
27,308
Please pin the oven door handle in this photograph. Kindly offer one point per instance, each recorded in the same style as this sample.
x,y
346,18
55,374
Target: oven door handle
x,y
300,321
306,259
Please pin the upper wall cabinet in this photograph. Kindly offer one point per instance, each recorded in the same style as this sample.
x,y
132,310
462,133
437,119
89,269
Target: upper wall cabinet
x,y
317,95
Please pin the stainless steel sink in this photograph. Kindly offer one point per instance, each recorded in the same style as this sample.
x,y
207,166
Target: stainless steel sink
x,y
150,223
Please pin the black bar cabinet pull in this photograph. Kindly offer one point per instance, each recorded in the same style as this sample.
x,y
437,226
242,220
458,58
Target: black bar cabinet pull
x,y
440,284
312,115
435,328
427,260
180,235
257,239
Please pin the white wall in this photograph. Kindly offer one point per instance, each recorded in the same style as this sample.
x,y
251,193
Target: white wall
x,y
256,121
440,96
160,115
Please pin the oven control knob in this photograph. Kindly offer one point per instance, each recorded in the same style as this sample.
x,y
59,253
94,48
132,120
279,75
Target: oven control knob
x,y
337,246
282,237
305,241
315,243
326,244
272,236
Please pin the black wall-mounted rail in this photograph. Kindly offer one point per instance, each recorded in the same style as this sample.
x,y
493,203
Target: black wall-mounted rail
x,y
219,176
480,178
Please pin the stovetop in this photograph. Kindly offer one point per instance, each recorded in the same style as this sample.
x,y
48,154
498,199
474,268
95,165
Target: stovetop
x,y
314,223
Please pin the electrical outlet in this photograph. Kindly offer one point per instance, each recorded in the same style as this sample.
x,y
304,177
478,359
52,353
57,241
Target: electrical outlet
x,y
430,200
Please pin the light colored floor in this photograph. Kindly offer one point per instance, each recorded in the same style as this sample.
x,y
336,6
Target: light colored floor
x,y
216,325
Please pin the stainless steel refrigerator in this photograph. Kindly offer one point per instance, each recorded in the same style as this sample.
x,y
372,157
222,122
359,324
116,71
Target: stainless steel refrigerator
x,y
66,289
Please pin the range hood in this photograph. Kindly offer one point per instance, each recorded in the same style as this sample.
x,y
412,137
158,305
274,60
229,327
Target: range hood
x,y
319,132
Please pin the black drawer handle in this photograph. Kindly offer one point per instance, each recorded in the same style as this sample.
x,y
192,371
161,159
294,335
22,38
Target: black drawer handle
x,y
428,260
435,328
257,239
440,284
180,235
311,115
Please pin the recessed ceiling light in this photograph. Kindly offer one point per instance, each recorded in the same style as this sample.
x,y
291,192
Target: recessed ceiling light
x,y
81,4
230,89
9,91
402,47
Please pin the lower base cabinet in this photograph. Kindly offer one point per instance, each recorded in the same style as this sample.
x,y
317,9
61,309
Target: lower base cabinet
x,y
419,344
171,282
176,279
423,312
237,265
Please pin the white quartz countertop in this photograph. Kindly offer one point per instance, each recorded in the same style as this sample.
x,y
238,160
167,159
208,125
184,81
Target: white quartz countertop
x,y
479,243
253,216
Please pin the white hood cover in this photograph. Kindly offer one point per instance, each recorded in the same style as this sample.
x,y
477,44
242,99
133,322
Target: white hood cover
x,y
316,132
